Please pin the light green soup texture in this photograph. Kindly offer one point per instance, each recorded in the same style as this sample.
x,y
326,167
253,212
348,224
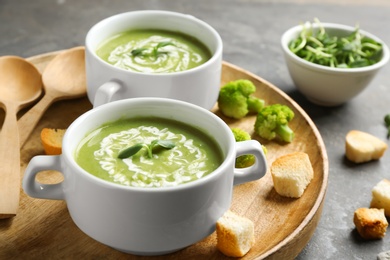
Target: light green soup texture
x,y
186,52
194,156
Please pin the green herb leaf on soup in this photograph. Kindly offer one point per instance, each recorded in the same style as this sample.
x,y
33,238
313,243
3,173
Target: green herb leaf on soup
x,y
132,150
138,52
164,143
154,52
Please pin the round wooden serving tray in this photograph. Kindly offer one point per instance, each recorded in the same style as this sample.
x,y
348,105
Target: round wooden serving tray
x,y
43,229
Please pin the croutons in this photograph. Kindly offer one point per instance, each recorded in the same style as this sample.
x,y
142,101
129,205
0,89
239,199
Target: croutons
x,y
363,147
52,140
291,174
370,223
381,196
383,255
235,234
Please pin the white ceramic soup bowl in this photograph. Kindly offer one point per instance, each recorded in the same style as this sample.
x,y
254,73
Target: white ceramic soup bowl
x,y
145,221
199,85
325,85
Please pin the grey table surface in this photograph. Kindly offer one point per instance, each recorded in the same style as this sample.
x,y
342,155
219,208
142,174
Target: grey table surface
x,y
251,31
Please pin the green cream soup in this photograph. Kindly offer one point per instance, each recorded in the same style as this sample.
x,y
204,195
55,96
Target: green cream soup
x,y
153,51
193,156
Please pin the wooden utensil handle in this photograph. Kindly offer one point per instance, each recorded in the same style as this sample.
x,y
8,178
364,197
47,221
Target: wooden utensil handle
x,y
9,166
30,119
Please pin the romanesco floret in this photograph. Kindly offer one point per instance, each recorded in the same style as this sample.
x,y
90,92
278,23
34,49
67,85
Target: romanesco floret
x,y
247,160
272,121
235,99
244,161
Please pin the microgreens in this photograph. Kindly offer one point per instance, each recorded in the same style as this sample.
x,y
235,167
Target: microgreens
x,y
130,151
352,51
154,52
387,123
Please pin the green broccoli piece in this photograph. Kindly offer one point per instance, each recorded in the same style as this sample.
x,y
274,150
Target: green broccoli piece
x,y
244,161
247,160
235,99
272,121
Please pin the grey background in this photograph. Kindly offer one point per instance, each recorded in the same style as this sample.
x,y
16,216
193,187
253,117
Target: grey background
x,y
251,31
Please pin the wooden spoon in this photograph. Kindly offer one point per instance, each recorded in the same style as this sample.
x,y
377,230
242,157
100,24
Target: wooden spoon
x,y
63,78
20,85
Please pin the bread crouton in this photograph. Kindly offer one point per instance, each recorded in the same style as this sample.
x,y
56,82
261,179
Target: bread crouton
x,y
383,255
381,196
370,223
52,140
291,174
235,234
363,147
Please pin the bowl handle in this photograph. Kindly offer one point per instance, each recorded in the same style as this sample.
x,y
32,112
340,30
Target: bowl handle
x,y
38,190
105,92
254,172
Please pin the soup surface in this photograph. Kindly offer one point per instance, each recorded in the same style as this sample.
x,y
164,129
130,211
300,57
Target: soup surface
x,y
153,51
194,155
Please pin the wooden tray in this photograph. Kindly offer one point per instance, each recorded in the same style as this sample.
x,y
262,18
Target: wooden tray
x,y
283,226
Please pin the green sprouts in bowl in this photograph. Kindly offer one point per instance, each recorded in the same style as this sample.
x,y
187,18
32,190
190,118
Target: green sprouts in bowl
x,y
353,50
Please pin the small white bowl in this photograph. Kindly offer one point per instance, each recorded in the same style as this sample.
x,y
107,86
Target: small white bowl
x,y
325,85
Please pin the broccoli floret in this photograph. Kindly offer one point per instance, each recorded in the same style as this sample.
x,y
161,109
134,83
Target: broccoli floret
x,y
247,160
244,161
240,135
235,99
272,121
